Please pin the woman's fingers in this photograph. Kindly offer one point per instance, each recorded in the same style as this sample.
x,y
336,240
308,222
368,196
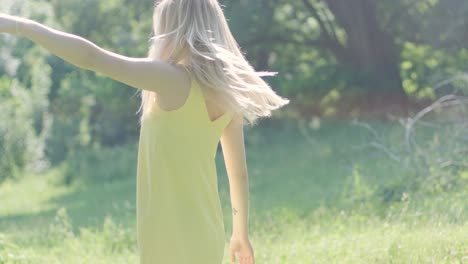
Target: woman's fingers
x,y
241,253
246,260
233,256
241,260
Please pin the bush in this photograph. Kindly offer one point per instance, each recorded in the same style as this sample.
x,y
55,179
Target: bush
x,y
24,128
11,253
98,164
431,152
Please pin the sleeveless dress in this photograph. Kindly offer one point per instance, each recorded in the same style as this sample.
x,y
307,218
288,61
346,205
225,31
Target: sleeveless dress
x,y
179,214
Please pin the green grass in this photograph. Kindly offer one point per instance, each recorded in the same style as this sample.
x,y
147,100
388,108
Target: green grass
x,y
315,198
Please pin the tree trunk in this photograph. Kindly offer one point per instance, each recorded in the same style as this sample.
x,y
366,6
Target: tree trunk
x,y
368,48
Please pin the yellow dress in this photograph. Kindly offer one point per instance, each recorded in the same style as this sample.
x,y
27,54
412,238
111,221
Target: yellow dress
x,y
179,215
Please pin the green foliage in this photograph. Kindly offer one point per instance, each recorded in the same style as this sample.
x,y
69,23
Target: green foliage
x,y
358,190
92,164
73,109
427,72
117,237
24,127
11,253
429,152
24,86
90,109
59,229
317,204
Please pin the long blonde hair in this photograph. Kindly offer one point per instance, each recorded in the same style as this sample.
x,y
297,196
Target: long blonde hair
x,y
196,35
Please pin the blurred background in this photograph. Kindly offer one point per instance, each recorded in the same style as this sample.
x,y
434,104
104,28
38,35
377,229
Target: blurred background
x,y
367,164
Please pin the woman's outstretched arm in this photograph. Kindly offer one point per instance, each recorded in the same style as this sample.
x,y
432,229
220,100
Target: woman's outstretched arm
x,y
141,73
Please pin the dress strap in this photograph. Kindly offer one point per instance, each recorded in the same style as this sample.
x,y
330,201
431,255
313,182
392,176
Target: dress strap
x,y
222,121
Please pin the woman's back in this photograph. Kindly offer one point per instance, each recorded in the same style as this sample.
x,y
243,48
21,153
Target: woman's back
x,y
178,208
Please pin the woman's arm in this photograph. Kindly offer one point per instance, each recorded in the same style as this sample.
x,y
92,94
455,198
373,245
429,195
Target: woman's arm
x,y
141,73
232,142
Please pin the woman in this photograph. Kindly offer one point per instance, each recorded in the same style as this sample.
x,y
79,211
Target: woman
x,y
197,89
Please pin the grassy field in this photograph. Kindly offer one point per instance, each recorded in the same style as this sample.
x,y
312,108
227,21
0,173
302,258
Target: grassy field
x,y
326,193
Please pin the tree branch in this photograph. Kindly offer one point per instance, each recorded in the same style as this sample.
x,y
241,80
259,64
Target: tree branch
x,y
330,39
316,15
332,28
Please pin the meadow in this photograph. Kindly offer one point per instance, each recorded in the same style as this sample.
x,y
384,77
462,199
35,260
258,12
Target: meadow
x,y
324,188
320,192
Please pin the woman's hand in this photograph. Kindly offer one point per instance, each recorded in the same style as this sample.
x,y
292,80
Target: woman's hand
x,y
9,24
244,250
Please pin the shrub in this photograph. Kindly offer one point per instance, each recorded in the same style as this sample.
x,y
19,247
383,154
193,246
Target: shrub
x,y
433,159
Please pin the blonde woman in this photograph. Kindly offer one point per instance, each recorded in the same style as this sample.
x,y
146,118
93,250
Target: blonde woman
x,y
197,90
